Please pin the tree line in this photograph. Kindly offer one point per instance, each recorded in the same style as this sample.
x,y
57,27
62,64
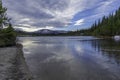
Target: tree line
x,y
107,26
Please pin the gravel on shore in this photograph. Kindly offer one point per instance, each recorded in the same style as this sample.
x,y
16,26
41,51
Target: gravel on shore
x,y
13,65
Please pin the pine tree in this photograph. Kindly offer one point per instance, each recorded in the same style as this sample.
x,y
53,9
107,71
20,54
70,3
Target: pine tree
x,y
4,20
108,26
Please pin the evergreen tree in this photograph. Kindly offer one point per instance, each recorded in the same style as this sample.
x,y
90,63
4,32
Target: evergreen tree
x,y
7,35
4,20
108,26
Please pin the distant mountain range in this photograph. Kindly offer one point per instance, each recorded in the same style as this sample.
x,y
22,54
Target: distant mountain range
x,y
43,31
47,31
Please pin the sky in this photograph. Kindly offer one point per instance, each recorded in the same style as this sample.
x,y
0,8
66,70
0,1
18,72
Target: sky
x,y
32,15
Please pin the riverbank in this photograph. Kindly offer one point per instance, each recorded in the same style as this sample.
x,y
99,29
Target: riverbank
x,y
13,65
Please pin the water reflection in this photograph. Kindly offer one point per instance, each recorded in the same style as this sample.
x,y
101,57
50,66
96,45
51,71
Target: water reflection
x,y
72,58
108,47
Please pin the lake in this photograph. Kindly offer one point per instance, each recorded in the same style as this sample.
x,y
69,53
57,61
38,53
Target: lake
x,y
72,58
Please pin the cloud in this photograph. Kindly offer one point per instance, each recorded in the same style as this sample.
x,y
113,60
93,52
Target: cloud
x,y
40,13
79,22
57,13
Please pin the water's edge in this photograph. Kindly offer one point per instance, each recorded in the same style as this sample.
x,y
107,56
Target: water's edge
x,y
13,65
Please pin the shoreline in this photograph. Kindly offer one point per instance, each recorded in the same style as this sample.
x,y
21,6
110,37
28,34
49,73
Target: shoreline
x,y
13,65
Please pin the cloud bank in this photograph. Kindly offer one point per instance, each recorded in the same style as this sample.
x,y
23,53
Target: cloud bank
x,y
53,14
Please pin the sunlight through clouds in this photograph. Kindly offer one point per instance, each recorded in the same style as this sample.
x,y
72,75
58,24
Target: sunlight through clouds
x,y
79,22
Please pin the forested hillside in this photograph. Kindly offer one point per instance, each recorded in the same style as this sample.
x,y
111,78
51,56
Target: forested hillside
x,y
107,26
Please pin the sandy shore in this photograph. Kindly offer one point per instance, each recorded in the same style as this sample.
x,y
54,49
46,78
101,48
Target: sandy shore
x,y
12,64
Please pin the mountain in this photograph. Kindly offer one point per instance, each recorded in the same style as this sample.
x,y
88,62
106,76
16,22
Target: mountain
x,y
41,32
47,31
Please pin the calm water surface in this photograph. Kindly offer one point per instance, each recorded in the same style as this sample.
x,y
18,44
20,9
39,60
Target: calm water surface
x,y
72,58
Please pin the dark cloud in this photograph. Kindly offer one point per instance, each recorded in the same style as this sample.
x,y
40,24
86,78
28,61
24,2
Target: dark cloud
x,y
37,11
57,13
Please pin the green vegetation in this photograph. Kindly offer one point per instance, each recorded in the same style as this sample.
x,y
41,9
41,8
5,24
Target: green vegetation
x,y
108,26
7,35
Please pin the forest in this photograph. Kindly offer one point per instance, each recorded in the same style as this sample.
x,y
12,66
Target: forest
x,y
107,26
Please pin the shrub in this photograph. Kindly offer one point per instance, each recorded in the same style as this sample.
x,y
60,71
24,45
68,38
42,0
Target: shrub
x,y
7,37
